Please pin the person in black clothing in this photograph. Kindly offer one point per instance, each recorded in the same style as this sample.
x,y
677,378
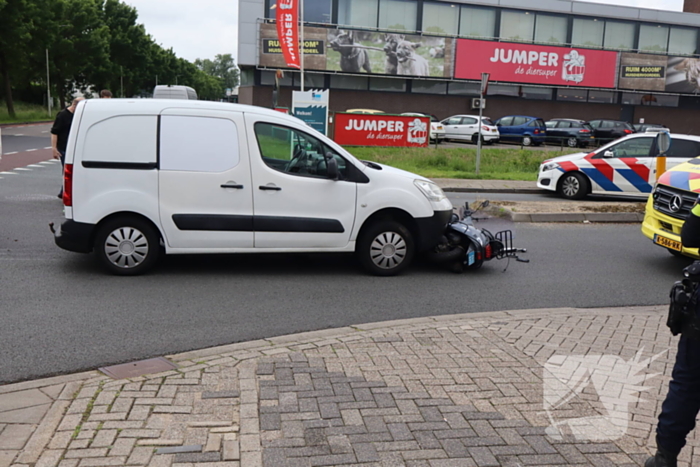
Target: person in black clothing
x,y
60,131
682,403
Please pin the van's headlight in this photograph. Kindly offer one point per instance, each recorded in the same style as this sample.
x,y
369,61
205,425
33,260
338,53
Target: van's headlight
x,y
430,190
549,166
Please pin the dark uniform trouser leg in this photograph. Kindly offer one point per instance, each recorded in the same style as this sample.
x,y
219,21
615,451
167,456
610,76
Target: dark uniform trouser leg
x,y
682,403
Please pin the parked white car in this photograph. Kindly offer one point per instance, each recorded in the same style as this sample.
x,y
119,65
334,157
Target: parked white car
x,y
209,177
467,127
437,130
626,167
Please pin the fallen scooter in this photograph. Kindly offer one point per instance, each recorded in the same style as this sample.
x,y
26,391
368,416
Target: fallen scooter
x,y
465,246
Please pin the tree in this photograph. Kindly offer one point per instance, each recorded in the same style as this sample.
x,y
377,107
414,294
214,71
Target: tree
x,y
17,26
223,66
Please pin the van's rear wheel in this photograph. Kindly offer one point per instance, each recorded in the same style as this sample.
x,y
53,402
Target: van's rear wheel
x,y
385,248
127,246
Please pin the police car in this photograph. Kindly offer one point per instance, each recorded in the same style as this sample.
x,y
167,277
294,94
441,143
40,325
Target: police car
x,y
626,167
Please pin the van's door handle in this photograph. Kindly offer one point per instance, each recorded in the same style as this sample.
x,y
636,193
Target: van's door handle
x,y
232,185
270,187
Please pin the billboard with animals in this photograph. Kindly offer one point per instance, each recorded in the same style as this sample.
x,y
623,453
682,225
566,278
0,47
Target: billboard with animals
x,y
648,72
363,52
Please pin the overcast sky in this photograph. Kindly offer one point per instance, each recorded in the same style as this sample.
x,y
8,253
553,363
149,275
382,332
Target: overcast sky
x,y
204,28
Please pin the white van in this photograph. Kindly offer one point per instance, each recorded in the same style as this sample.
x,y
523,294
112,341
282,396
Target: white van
x,y
174,92
209,177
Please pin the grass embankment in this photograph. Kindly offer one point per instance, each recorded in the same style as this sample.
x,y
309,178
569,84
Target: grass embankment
x,y
24,113
496,163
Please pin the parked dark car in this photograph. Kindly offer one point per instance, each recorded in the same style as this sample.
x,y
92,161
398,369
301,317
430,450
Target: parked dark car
x,y
570,132
522,129
643,127
609,130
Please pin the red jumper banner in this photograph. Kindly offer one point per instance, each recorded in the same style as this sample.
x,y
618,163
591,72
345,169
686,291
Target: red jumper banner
x,y
381,130
536,64
288,31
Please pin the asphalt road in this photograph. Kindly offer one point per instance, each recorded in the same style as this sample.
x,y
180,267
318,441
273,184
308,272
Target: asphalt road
x,y
60,313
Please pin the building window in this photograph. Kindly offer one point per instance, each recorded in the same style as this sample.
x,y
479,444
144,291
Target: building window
x,y
571,94
649,100
504,90
587,32
683,41
315,11
361,13
517,26
398,14
312,80
619,35
247,77
477,22
267,78
440,18
429,87
653,38
387,84
464,89
601,97
349,82
529,92
550,29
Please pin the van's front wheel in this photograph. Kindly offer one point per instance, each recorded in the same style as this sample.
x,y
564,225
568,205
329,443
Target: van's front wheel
x,y
127,246
385,248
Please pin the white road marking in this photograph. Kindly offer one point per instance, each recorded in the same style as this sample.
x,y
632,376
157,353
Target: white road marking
x,y
9,153
48,147
21,168
46,131
18,134
47,162
35,165
30,150
7,173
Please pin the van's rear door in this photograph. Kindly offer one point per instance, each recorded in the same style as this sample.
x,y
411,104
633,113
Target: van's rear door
x,y
205,190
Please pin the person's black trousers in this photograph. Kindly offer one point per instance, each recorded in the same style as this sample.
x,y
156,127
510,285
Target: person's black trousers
x,y
679,410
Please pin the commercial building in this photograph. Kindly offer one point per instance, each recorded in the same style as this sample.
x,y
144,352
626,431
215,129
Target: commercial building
x,y
548,58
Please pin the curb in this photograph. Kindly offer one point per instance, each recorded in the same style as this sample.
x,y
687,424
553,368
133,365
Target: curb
x,y
610,217
521,191
14,124
272,345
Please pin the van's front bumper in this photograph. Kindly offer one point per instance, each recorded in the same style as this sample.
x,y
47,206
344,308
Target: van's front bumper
x,y
431,229
657,225
75,236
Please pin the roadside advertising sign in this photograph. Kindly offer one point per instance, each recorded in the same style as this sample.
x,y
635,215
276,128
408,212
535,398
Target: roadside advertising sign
x,y
288,31
312,107
535,64
651,72
381,130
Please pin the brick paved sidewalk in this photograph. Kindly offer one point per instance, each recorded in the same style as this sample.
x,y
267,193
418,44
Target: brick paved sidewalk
x,y
459,390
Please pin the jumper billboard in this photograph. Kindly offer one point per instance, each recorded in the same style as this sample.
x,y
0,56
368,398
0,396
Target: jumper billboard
x,y
381,130
535,64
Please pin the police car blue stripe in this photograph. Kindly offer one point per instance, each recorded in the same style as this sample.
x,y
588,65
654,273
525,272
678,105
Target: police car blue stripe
x,y
634,178
601,180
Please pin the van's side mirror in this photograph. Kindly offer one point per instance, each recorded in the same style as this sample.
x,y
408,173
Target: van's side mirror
x,y
332,167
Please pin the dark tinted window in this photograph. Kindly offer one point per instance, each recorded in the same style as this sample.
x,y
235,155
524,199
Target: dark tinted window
x,y
607,124
587,127
486,121
564,124
519,121
684,148
468,121
595,123
453,121
506,121
551,124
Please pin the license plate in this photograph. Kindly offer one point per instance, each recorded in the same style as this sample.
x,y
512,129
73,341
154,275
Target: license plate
x,y
439,127
471,258
668,243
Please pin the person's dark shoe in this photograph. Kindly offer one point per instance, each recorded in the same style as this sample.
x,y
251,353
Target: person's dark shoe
x,y
661,459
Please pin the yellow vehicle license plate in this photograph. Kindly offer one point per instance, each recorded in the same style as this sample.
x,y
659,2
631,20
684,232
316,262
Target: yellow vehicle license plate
x,y
668,243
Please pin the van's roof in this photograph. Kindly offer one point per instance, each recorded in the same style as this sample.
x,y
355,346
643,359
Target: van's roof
x,y
156,106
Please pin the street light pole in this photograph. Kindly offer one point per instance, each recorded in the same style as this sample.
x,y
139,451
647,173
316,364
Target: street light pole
x,y
48,84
